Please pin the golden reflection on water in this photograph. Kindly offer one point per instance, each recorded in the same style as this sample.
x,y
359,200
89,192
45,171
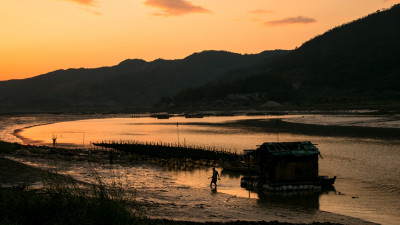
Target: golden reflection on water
x,y
82,133
367,169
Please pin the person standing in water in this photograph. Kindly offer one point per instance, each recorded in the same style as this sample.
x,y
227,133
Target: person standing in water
x,y
214,177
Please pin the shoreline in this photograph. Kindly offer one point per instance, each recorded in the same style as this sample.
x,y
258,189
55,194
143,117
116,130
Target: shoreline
x,y
319,130
251,123
12,125
264,124
215,208
17,134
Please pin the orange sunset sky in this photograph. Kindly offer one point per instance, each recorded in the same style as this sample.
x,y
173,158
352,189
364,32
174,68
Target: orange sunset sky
x,y
39,36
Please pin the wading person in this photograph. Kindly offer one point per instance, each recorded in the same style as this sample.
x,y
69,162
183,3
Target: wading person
x,y
214,177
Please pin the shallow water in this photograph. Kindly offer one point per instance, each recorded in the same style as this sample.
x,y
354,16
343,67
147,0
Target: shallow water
x,y
368,169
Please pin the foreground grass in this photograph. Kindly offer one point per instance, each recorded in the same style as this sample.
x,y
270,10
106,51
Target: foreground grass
x,y
70,206
6,147
60,204
62,201
63,204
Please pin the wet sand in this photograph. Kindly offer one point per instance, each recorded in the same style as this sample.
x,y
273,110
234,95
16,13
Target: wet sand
x,y
177,202
15,174
182,202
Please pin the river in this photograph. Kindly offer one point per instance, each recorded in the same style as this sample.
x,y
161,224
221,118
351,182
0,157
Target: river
x,y
367,167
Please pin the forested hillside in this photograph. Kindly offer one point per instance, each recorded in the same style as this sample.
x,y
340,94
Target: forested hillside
x,y
356,63
132,83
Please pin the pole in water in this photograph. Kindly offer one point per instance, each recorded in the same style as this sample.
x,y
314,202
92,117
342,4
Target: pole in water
x,y
177,128
277,130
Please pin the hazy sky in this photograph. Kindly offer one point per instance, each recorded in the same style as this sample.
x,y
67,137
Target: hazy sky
x,y
39,36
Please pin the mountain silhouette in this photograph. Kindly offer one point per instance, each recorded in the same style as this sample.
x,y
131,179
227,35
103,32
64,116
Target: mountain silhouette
x,y
131,83
355,63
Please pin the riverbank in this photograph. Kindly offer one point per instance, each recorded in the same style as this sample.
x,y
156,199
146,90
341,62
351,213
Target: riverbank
x,y
282,126
191,204
188,204
211,207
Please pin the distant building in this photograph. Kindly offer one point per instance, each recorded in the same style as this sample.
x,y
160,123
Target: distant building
x,y
247,96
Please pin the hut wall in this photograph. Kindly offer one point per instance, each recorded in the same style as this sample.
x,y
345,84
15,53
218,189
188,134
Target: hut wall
x,y
299,170
290,169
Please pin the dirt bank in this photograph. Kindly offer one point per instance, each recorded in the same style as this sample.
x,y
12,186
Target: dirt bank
x,y
177,202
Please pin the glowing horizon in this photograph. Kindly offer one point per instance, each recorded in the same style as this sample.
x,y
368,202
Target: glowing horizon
x,y
46,35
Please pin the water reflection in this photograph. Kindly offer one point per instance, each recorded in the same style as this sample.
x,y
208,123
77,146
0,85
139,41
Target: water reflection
x,y
306,200
213,190
196,174
366,166
231,174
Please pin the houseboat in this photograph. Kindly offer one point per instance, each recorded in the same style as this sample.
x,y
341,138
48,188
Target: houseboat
x,y
286,166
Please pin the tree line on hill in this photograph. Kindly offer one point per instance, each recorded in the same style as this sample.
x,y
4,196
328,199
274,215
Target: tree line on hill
x,y
130,84
356,63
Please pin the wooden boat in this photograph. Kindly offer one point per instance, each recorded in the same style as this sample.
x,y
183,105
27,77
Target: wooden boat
x,y
323,183
278,160
240,166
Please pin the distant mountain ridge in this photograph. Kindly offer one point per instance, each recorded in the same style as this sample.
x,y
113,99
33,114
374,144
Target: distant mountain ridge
x,y
131,83
356,63
353,64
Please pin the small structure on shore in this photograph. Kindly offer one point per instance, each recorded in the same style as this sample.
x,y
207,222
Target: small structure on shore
x,y
288,162
288,166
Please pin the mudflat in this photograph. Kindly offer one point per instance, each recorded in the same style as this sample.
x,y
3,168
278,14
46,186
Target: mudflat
x,y
178,203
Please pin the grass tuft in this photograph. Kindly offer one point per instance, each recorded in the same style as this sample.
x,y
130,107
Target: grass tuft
x,y
6,147
63,201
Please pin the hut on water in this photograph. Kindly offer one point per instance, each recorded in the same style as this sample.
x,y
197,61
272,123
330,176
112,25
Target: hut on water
x,y
288,162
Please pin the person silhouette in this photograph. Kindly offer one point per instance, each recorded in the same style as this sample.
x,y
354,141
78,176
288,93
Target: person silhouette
x,y
214,177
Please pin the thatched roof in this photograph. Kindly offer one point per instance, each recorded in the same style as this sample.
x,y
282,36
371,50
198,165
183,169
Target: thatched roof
x,y
305,148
